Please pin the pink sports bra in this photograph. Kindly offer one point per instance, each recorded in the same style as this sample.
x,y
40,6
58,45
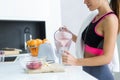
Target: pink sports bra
x,y
92,39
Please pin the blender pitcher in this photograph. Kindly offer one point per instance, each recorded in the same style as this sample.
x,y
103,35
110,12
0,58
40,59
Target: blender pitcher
x,y
63,41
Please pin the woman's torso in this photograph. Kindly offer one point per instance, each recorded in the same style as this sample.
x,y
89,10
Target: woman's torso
x,y
93,36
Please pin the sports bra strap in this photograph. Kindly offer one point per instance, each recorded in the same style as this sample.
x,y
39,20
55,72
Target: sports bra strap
x,y
104,16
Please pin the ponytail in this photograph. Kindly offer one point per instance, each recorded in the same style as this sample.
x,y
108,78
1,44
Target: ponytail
x,y
115,5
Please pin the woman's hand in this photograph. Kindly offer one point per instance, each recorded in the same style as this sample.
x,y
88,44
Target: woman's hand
x,y
64,28
67,58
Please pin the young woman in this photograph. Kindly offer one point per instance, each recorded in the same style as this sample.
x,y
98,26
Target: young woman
x,y
99,39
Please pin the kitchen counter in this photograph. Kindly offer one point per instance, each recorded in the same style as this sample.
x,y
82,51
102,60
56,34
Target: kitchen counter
x,y
14,71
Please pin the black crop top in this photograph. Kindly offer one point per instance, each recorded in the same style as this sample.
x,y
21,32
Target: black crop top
x,y
90,37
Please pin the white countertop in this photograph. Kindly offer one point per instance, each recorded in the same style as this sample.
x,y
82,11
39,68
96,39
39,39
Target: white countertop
x,y
14,71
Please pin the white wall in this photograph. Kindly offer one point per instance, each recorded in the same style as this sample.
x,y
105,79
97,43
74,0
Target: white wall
x,y
117,75
24,9
38,10
73,14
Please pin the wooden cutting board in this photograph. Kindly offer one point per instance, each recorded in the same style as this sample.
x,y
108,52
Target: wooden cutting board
x,y
50,68
11,51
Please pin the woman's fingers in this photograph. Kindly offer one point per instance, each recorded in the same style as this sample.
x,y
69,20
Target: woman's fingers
x,y
67,58
64,57
66,52
63,28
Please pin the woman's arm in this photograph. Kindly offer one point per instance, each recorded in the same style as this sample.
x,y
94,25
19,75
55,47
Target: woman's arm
x,y
110,29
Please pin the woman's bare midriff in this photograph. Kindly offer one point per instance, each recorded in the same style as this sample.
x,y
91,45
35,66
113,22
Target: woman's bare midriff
x,y
87,55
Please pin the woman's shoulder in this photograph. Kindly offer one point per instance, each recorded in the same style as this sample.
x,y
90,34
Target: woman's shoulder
x,y
111,17
110,22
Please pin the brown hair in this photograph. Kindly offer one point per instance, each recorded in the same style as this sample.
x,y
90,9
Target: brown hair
x,y
115,5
